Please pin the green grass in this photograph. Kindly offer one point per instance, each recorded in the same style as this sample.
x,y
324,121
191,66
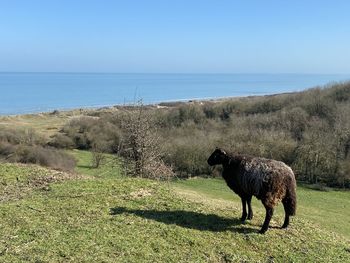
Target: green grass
x,y
106,217
109,168
330,210
18,180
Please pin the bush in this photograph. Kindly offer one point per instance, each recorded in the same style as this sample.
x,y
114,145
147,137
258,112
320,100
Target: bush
x,y
62,141
141,145
294,120
19,136
85,132
6,150
192,112
97,158
26,146
317,104
188,156
343,179
340,92
38,155
316,157
221,110
265,105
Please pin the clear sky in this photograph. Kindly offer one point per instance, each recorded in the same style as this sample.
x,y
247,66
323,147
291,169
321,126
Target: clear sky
x,y
190,36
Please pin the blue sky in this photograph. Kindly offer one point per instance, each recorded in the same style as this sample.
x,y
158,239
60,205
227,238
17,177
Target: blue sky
x,y
190,36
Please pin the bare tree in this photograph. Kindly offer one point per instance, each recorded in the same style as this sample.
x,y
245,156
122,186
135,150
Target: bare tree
x,y
97,155
142,144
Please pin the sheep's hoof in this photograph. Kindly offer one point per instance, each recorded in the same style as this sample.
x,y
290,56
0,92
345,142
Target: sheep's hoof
x,y
250,217
284,226
243,217
262,231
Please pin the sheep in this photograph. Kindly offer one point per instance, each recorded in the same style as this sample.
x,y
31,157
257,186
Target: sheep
x,y
268,180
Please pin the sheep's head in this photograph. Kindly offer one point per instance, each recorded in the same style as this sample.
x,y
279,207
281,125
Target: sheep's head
x,y
217,157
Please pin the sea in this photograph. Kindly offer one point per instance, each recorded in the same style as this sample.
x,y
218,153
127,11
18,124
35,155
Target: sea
x,y
24,93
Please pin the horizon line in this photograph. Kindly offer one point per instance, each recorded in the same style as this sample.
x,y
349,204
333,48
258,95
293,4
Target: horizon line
x,y
172,73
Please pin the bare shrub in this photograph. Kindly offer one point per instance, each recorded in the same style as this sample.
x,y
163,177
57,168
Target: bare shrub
x,y
61,141
26,146
38,155
343,179
97,155
87,131
141,144
317,104
188,156
316,157
265,105
340,92
185,113
6,150
21,136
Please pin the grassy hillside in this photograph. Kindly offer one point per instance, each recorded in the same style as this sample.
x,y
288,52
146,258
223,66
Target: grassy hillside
x,y
105,217
18,180
330,210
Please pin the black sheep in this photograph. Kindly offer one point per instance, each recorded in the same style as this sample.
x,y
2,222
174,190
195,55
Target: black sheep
x,y
269,180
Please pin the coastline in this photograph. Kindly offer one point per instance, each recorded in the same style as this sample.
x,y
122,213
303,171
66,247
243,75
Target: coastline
x,y
158,104
35,93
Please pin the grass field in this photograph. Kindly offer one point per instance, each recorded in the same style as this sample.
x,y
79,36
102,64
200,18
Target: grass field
x,y
329,210
48,124
45,124
105,217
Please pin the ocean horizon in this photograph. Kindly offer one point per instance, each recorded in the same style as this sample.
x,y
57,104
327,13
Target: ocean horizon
x,y
24,93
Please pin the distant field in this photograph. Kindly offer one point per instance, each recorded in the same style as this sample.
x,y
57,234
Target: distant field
x,y
45,123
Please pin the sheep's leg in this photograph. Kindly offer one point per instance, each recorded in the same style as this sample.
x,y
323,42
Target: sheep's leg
x,y
244,209
286,218
250,210
269,213
286,221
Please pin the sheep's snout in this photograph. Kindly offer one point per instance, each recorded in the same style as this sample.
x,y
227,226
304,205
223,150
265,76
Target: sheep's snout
x,y
210,162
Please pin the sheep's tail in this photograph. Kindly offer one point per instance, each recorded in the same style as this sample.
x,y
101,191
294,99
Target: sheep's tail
x,y
290,200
